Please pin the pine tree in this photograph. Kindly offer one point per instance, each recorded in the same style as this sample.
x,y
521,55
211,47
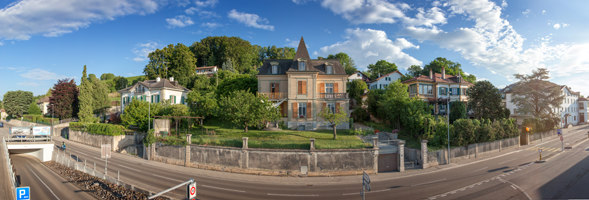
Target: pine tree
x,y
100,100
85,99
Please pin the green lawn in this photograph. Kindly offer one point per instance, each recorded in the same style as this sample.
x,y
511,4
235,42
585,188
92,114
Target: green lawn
x,y
229,135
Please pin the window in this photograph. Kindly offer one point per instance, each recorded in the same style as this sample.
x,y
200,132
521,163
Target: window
x,y
575,118
274,69
443,91
302,87
329,88
464,92
426,89
329,69
331,107
358,75
302,110
301,65
412,89
454,91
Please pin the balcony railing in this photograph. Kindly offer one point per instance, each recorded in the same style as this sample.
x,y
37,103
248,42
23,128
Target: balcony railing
x,y
274,95
581,106
333,95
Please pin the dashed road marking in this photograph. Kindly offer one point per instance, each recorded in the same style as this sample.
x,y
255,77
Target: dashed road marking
x,y
429,182
294,195
222,188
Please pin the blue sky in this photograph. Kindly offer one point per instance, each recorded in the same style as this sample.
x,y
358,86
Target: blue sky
x,y
45,40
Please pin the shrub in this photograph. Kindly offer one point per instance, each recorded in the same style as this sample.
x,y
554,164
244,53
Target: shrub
x,y
360,114
115,119
98,129
77,126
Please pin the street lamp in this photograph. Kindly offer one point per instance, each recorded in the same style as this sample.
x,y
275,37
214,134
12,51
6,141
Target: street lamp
x,y
52,116
448,118
147,95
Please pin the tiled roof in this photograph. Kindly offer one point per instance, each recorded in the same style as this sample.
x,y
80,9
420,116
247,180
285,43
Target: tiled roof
x,y
583,99
163,83
364,77
438,79
317,65
2,110
386,75
44,99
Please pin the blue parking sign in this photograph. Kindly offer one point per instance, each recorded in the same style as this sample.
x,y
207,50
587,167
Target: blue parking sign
x,y
559,131
23,193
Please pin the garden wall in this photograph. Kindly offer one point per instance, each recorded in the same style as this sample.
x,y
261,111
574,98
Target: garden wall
x,y
118,143
270,161
544,135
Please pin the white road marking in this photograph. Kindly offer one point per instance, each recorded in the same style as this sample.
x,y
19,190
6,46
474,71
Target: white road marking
x,y
294,195
507,161
429,182
168,178
98,158
512,184
477,170
513,187
368,192
222,188
43,182
130,168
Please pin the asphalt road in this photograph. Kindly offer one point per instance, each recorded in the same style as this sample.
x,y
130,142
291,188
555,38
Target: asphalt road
x,y
511,174
44,183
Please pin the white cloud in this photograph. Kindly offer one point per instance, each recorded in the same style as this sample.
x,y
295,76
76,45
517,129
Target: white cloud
x,y
179,21
1,43
52,18
526,12
207,3
39,74
574,61
142,50
299,2
504,4
251,20
492,43
482,79
556,26
367,46
33,84
199,6
211,25
191,10
543,12
378,12
565,25
501,86
11,68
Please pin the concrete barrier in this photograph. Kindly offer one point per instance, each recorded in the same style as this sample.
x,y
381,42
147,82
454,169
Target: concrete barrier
x,y
118,143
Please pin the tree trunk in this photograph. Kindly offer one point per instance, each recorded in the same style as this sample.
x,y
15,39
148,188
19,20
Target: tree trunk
x,y
334,134
245,126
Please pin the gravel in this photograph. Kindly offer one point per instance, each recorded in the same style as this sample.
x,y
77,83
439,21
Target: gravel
x,y
96,186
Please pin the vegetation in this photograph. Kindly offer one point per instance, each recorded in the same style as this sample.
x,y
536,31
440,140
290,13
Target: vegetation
x,y
485,100
356,89
244,108
535,95
360,114
346,61
452,68
171,61
100,99
34,109
457,111
334,118
381,67
63,102
85,99
216,50
107,76
16,103
246,83
99,129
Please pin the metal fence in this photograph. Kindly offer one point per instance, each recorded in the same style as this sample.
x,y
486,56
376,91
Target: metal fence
x,y
9,165
80,164
29,138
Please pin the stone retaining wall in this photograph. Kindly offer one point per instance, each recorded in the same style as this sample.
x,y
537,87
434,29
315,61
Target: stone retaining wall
x,y
118,143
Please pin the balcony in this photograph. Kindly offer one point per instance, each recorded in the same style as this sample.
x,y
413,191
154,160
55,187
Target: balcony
x,y
274,95
581,106
333,96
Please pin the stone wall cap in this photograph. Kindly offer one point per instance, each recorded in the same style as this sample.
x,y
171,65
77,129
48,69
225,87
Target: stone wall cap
x,y
284,150
423,141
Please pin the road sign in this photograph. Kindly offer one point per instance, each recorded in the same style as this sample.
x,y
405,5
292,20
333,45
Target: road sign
x,y
191,191
366,181
540,150
559,131
105,151
561,138
23,193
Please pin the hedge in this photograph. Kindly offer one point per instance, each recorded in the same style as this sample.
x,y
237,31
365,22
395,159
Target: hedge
x,y
98,129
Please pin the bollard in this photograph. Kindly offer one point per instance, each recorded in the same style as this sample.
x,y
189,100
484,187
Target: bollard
x,y
118,175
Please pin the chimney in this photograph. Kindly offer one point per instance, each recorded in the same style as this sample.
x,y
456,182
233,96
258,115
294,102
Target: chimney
x,y
431,75
379,75
157,79
171,79
444,73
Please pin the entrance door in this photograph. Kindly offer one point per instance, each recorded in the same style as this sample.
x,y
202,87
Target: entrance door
x,y
582,117
387,162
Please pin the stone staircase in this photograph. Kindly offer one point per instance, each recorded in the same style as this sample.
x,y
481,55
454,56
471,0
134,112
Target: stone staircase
x,y
272,126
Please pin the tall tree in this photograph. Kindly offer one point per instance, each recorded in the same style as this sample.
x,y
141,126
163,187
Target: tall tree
x,y
346,61
100,99
244,108
16,103
214,50
457,111
34,109
244,82
120,82
107,76
381,67
85,99
63,103
334,118
414,70
228,65
452,68
484,100
534,95
393,101
171,61
356,89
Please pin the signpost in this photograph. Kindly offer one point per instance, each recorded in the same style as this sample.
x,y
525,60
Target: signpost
x,y
23,193
365,184
559,131
540,150
105,153
191,191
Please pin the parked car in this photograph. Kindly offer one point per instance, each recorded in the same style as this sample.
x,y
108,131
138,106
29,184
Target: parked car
x,y
1,125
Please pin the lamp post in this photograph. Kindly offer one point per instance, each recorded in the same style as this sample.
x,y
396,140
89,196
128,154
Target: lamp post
x,y
147,96
448,118
52,116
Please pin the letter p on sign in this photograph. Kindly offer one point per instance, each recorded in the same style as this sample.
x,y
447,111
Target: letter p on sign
x,y
23,193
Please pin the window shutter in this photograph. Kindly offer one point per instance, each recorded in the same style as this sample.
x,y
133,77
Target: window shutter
x,y
304,87
458,91
446,90
158,98
337,106
309,110
295,110
321,87
335,89
170,98
277,88
440,91
151,98
278,69
300,88
144,98
271,87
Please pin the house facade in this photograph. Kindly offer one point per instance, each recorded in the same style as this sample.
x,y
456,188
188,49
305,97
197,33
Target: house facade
x,y
3,114
384,80
301,87
158,89
573,109
208,70
438,86
359,76
42,104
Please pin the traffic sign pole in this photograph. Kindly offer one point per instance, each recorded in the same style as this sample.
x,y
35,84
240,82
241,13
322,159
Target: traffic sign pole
x,y
540,150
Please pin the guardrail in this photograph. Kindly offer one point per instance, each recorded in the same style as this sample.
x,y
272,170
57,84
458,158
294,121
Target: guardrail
x,y
9,166
29,139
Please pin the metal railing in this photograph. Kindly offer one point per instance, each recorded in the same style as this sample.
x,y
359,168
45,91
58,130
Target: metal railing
x,y
9,165
333,95
29,138
274,95
77,163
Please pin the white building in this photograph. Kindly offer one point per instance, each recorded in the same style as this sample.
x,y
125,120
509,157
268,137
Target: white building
x,y
359,76
583,103
209,70
570,110
159,89
42,104
384,80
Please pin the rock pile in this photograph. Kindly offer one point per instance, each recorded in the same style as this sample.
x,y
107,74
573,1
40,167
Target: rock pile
x,y
98,187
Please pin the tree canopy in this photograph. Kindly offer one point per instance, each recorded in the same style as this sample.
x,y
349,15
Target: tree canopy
x,y
534,95
346,61
381,67
107,76
100,99
244,82
484,100
171,61
34,109
356,89
86,99
334,118
16,103
215,50
63,103
244,108
452,68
